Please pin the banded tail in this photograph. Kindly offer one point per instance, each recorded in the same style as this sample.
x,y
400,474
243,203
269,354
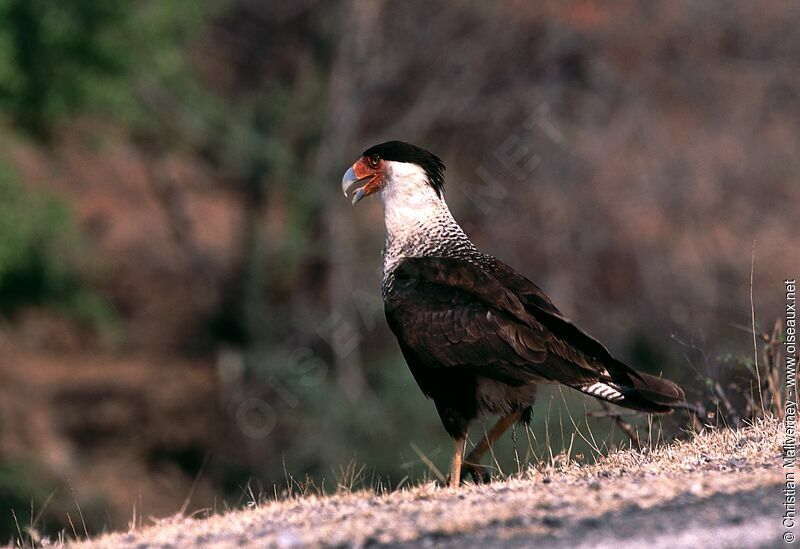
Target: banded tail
x,y
643,392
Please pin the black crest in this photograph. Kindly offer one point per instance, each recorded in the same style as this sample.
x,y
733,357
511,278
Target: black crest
x,y
400,151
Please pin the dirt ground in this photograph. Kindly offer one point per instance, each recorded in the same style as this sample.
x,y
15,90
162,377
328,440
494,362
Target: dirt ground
x,y
721,489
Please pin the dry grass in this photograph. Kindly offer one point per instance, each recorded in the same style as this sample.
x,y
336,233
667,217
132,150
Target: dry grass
x,y
537,502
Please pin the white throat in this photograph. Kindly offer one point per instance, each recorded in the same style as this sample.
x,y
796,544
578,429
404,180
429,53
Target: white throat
x,y
418,221
410,204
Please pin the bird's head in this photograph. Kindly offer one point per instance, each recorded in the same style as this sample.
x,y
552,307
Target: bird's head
x,y
395,167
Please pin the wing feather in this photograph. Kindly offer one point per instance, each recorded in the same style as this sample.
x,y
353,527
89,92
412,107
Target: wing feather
x,y
451,313
570,342
494,322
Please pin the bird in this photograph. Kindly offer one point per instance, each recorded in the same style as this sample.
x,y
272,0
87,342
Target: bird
x,y
477,336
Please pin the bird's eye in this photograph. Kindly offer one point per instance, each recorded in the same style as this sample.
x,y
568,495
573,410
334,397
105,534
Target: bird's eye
x,y
374,160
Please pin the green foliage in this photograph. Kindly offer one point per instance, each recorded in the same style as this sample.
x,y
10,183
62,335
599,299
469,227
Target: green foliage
x,y
37,254
59,59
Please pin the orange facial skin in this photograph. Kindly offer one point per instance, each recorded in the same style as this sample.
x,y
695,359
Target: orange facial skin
x,y
370,168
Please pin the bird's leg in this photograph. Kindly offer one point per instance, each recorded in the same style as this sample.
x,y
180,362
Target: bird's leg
x,y
472,464
459,445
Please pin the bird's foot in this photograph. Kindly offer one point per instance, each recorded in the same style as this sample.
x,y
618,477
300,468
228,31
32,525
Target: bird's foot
x,y
479,473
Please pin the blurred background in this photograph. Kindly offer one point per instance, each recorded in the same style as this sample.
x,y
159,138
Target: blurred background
x,y
190,310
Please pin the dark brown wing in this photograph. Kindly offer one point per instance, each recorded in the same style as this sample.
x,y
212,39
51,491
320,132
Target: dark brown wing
x,y
579,344
619,383
528,293
495,322
451,314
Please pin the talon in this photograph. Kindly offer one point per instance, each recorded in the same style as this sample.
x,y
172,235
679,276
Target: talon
x,y
478,473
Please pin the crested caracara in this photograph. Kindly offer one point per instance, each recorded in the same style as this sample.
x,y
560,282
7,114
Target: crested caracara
x,y
477,336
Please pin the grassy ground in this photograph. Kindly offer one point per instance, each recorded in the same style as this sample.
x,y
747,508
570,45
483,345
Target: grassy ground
x,y
720,489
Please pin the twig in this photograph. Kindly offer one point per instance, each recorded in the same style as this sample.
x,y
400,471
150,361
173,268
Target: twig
x,y
426,460
753,325
80,511
72,524
612,413
723,397
772,361
626,427
193,486
16,522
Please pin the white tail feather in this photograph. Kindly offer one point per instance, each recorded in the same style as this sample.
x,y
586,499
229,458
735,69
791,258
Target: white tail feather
x,y
606,391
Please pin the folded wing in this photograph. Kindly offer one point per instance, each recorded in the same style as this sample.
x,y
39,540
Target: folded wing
x,y
449,313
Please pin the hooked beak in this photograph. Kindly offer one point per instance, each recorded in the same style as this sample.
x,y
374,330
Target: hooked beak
x,y
349,181
357,174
